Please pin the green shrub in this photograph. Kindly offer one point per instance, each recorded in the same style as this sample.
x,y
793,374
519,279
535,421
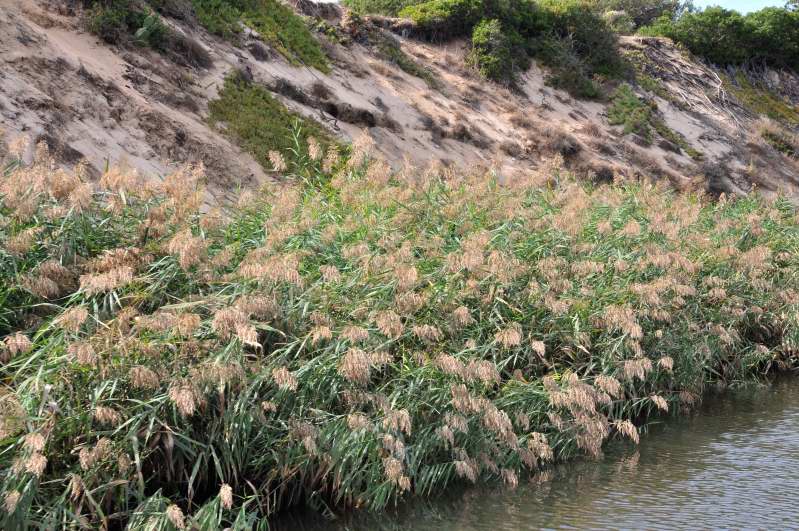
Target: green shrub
x,y
568,35
592,40
119,21
639,116
280,26
568,71
257,121
277,24
643,12
726,37
124,22
774,36
760,99
221,17
578,46
442,19
619,21
492,52
115,21
152,32
380,7
391,51
780,139
630,111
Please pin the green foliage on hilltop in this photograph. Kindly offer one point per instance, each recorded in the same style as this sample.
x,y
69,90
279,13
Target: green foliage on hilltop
x,y
275,22
642,12
138,21
726,37
497,53
380,7
570,36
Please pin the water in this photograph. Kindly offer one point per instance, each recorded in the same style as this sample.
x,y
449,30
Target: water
x,y
734,464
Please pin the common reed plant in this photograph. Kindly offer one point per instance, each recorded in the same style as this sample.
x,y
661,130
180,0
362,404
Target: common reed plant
x,y
357,335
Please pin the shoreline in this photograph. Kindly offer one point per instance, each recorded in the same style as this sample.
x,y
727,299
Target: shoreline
x,y
673,450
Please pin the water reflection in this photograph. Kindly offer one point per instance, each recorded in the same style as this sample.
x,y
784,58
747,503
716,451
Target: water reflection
x,y
733,464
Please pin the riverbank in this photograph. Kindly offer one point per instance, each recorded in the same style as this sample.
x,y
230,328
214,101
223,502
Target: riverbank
x,y
710,469
357,336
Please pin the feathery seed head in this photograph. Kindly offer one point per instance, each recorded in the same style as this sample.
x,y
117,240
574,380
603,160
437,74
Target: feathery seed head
x,y
34,442
660,402
184,397
427,333
107,416
314,149
461,317
278,162
18,343
355,333
10,501
358,421
628,429
175,515
389,324
226,496
284,379
510,337
35,464
355,366
72,319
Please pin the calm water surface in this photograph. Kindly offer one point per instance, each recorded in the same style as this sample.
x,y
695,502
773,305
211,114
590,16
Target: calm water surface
x,y
734,464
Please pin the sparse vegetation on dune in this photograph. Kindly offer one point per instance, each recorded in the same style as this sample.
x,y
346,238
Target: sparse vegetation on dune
x,y
250,115
641,117
760,100
138,21
358,336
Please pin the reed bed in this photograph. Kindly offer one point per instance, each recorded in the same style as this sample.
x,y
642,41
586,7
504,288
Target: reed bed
x,y
356,336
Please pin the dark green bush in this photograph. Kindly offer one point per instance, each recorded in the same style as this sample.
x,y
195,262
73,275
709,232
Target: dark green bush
x,y
277,24
643,12
442,19
726,37
569,71
591,38
570,36
152,32
380,7
122,21
220,17
115,21
491,51
630,111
